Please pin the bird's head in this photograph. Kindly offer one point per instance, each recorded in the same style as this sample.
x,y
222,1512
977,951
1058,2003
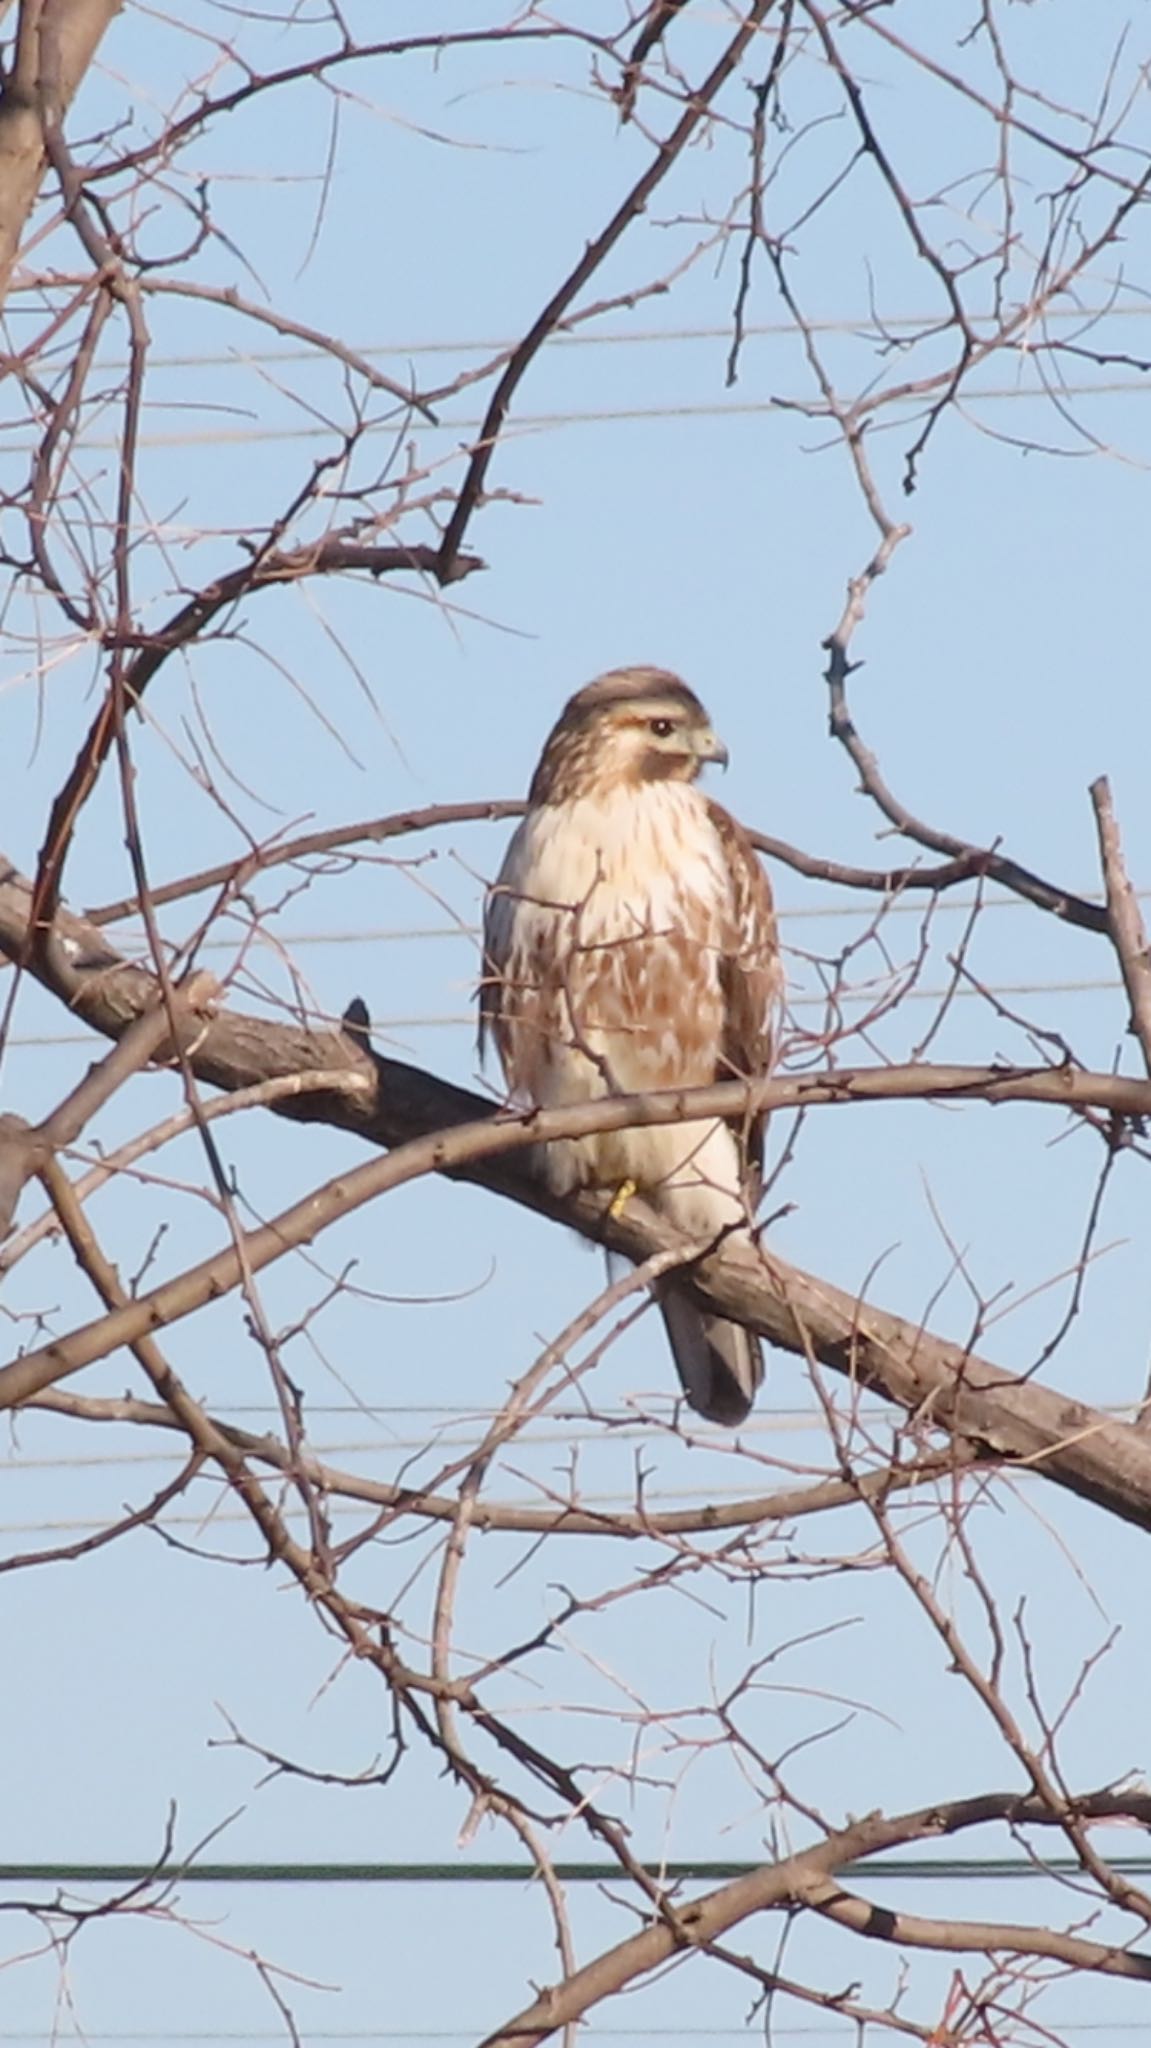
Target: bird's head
x,y
630,727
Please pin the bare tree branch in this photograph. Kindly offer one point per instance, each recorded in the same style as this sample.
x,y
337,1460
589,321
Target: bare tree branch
x,y
1124,919
784,1505
779,1885
337,554
896,881
25,1147
597,250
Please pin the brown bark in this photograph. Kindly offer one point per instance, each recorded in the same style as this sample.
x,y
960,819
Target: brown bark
x,y
804,1879
56,41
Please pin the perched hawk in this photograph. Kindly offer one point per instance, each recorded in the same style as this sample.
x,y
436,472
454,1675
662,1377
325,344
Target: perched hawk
x,y
630,944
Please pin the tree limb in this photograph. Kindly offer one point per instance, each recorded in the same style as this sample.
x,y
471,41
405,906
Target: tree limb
x,y
456,1132
337,554
776,1885
896,881
1124,919
786,1504
56,41
594,255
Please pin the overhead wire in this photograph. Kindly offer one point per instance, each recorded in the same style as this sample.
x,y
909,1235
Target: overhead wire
x,y
703,1870
370,2037
904,903
728,407
863,324
538,1432
458,1020
851,907
528,423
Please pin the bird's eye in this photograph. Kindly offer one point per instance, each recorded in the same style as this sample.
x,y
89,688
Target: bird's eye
x,y
662,728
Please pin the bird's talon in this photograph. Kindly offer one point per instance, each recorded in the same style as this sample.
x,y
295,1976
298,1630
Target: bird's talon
x,y
621,1198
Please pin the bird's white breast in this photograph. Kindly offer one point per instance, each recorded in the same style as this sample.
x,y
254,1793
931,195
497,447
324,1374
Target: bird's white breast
x,y
609,919
626,860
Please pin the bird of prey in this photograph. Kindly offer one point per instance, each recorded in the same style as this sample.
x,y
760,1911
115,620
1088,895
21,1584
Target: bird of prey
x,y
630,944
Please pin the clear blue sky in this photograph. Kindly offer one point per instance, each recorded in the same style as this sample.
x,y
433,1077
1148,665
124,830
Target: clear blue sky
x,y
662,518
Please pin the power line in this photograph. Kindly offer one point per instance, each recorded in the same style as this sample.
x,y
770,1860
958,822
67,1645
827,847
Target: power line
x,y
524,423
554,1430
840,998
369,935
859,907
863,324
815,2030
899,1869
540,1433
860,904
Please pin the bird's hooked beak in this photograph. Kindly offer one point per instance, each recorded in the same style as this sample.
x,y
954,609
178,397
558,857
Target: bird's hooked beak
x,y
710,747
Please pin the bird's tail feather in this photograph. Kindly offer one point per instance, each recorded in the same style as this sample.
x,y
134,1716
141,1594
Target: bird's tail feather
x,y
720,1363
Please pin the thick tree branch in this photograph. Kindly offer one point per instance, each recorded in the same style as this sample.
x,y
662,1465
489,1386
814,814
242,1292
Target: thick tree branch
x,y
489,1136
450,1130
967,1937
56,41
788,1883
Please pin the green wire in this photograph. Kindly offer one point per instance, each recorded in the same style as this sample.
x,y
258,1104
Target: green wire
x,y
918,1868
